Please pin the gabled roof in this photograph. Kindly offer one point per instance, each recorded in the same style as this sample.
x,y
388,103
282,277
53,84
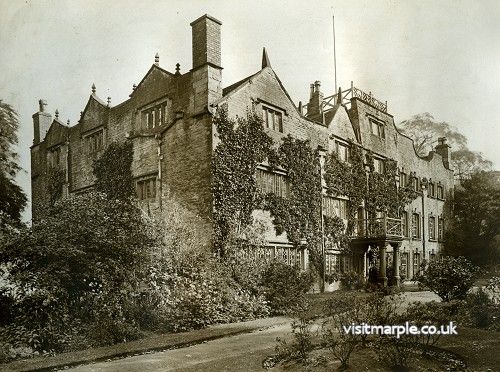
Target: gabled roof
x,y
154,67
54,126
238,85
234,86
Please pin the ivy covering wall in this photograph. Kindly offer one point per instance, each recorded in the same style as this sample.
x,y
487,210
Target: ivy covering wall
x,y
113,171
243,145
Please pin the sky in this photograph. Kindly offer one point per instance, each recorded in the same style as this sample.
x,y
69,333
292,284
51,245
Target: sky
x,y
440,57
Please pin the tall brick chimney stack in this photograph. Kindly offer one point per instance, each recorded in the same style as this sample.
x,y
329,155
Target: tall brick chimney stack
x,y
443,149
207,70
41,123
314,109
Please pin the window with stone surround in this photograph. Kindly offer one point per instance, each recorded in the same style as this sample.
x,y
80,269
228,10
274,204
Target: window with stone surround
x,y
403,269
440,192
416,263
377,128
271,182
154,116
432,190
415,226
273,119
335,207
293,256
432,228
54,157
403,179
404,222
94,142
336,263
146,188
342,151
440,229
378,165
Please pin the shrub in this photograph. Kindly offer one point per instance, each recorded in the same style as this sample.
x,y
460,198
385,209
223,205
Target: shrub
x,y
395,353
339,343
429,313
449,277
285,287
480,310
351,280
301,344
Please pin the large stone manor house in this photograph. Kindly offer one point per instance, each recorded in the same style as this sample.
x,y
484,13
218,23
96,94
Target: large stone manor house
x,y
168,120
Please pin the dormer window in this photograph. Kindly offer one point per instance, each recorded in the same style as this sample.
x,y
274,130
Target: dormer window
x,y
273,119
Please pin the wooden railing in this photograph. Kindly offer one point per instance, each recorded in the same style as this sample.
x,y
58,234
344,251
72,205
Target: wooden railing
x,y
382,227
346,95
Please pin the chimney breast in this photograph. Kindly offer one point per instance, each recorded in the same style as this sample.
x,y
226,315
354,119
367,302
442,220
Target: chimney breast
x,y
206,41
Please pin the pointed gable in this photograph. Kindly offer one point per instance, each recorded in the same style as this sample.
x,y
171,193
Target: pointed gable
x,y
339,124
95,114
156,77
56,135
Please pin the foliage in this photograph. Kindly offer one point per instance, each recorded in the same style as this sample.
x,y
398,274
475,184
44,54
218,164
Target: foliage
x,y
113,173
466,162
351,280
83,249
449,277
55,182
395,353
476,226
428,313
347,179
298,214
285,287
425,130
481,311
243,145
301,344
13,200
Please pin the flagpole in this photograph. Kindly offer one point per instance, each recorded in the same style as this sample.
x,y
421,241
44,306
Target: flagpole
x,y
334,53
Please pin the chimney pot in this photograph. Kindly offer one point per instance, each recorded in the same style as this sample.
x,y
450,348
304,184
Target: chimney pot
x,y
41,105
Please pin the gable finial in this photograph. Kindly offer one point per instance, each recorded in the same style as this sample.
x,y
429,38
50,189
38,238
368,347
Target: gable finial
x,y
157,59
93,88
177,68
109,101
67,123
339,96
265,59
57,114
134,86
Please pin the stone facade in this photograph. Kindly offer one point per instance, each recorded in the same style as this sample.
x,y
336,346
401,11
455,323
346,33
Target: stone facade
x,y
168,119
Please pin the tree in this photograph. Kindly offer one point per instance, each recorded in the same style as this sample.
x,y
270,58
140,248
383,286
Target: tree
x,y
475,230
80,243
13,199
425,130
